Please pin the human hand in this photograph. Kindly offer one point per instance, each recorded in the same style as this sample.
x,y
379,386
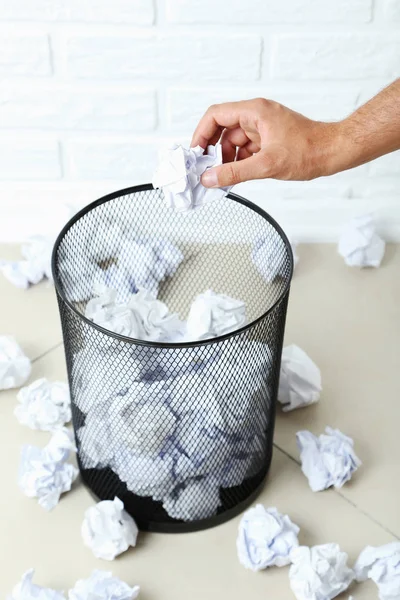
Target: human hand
x,y
263,139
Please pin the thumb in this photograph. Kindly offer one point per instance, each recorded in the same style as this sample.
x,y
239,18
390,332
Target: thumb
x,y
237,171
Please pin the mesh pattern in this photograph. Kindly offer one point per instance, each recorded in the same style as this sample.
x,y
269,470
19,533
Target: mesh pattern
x,y
182,434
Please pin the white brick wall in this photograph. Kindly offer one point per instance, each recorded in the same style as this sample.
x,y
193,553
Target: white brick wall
x,y
90,89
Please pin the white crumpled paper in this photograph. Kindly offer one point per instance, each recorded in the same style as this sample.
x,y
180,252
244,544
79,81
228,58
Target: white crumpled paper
x,y
319,573
108,530
179,173
198,499
300,379
44,405
212,315
101,585
360,245
269,256
27,590
35,266
44,472
382,565
142,316
15,367
327,460
266,538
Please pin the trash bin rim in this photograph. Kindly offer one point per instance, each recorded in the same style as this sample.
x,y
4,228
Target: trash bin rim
x,y
166,345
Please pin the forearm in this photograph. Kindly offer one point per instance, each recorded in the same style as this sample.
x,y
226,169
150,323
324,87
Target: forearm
x,y
371,131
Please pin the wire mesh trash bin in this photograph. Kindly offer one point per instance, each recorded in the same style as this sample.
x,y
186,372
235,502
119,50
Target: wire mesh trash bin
x,y
180,432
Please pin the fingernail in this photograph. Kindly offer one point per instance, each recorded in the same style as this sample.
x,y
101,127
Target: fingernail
x,y
210,178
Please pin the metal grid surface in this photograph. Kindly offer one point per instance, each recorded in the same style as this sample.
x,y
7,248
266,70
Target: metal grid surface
x,y
182,434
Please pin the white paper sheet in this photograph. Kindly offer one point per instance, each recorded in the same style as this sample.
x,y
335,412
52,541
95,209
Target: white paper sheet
x,y
15,367
300,379
179,172
360,245
327,460
382,565
44,472
319,573
108,530
212,315
44,405
35,266
142,316
27,590
266,538
101,585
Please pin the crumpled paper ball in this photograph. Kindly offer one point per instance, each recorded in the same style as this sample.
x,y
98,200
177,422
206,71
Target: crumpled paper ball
x,y
35,266
142,317
382,565
27,590
360,245
15,367
300,379
96,446
179,173
266,538
319,573
198,499
44,405
108,530
144,474
44,472
101,585
327,460
213,315
148,262
269,256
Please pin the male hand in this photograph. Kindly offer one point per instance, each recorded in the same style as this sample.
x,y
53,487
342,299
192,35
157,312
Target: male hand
x,y
263,139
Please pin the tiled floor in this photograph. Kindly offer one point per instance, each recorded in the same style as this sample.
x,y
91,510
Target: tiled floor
x,y
349,322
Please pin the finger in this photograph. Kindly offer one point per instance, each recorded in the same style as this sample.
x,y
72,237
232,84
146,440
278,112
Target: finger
x,y
254,167
247,151
216,118
230,139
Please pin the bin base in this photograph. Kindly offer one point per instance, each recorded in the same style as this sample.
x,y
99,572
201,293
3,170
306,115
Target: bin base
x,y
104,484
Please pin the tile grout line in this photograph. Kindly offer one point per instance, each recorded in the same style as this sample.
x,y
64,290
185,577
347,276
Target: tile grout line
x,y
370,517
46,352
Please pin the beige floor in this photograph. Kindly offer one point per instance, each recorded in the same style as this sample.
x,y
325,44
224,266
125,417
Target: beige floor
x,y
349,322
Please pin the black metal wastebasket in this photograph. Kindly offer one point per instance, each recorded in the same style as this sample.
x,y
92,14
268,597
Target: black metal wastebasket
x,y
181,432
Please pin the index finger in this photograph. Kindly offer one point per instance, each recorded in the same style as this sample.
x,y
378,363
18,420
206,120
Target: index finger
x,y
214,121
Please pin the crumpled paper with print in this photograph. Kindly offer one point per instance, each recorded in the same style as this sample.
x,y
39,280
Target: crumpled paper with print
x,y
179,173
27,590
327,460
266,538
300,379
35,266
213,315
382,565
44,472
143,425
360,245
108,530
142,316
319,573
44,405
101,585
15,367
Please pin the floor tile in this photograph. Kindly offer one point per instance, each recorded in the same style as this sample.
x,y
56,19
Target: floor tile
x,y
348,320
168,567
31,316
